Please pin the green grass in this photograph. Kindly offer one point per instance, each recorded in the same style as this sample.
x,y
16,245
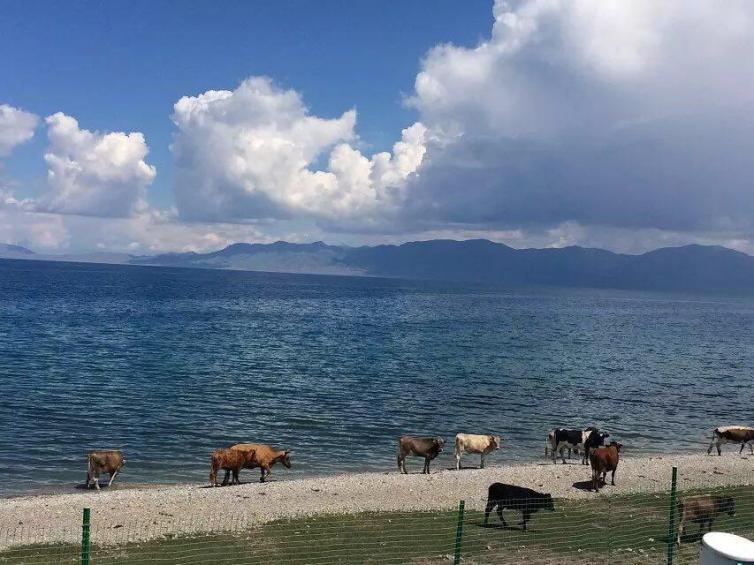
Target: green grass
x,y
626,529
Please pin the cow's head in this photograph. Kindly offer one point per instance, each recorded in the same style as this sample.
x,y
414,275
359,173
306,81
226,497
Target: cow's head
x,y
601,436
547,503
286,460
616,445
495,441
440,443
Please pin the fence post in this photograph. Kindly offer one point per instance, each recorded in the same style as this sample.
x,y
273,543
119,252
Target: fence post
x,y
671,515
459,534
85,548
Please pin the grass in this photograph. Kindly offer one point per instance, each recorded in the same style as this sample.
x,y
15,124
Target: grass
x,y
625,529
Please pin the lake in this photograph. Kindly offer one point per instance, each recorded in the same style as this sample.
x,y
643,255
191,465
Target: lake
x,y
169,364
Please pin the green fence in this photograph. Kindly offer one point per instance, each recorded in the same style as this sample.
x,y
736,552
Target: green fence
x,y
619,528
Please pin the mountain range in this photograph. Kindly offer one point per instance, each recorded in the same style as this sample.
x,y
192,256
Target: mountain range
x,y
688,268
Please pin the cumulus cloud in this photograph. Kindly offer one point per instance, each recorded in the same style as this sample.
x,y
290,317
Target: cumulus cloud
x,y
93,173
16,127
594,112
253,153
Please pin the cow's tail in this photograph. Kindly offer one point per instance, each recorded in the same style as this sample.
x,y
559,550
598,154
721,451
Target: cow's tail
x,y
89,471
550,443
716,435
212,471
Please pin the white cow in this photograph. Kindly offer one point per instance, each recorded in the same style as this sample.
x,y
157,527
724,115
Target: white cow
x,y
475,443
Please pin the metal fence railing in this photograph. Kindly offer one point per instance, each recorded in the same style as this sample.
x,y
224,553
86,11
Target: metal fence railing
x,y
620,528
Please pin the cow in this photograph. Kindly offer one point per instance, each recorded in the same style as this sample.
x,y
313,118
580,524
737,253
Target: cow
x,y
103,461
560,439
474,443
732,434
512,497
604,459
702,508
230,460
265,456
594,439
548,446
427,447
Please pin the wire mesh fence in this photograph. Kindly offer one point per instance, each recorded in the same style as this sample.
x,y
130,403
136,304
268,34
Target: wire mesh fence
x,y
620,528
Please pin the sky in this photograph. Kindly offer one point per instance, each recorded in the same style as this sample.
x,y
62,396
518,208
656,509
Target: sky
x,y
150,127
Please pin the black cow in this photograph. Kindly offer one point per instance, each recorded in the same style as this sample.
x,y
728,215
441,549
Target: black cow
x,y
594,440
512,497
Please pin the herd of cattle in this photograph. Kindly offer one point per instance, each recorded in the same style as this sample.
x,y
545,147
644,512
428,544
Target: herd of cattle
x,y
590,442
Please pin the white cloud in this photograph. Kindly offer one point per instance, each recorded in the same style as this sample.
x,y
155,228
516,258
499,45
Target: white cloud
x,y
93,173
598,112
252,153
16,127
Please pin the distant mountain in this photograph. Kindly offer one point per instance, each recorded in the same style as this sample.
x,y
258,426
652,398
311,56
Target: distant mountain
x,y
693,267
689,268
8,251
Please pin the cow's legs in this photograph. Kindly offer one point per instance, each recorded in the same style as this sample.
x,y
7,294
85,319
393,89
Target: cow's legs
x,y
595,480
458,461
612,478
743,444
236,480
562,454
487,509
96,480
112,477
525,518
481,465
227,477
500,515
426,466
680,533
265,472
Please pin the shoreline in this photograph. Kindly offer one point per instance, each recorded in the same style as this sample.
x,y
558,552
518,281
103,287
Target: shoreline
x,y
141,513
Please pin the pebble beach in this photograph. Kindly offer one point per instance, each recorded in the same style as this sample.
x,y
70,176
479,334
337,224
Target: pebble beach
x,y
149,511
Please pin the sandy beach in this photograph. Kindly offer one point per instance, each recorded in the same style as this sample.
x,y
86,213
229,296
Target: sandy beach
x,y
151,511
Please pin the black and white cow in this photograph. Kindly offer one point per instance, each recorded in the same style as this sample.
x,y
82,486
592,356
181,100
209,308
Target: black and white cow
x,y
732,434
594,439
560,439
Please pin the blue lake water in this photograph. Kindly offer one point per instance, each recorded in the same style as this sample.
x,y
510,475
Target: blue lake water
x,y
168,364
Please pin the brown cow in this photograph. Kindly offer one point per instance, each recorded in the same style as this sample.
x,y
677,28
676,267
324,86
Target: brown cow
x,y
604,459
230,460
427,447
103,461
732,434
701,509
265,456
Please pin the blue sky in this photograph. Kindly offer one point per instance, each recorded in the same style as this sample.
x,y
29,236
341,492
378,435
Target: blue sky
x,y
121,66
147,127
